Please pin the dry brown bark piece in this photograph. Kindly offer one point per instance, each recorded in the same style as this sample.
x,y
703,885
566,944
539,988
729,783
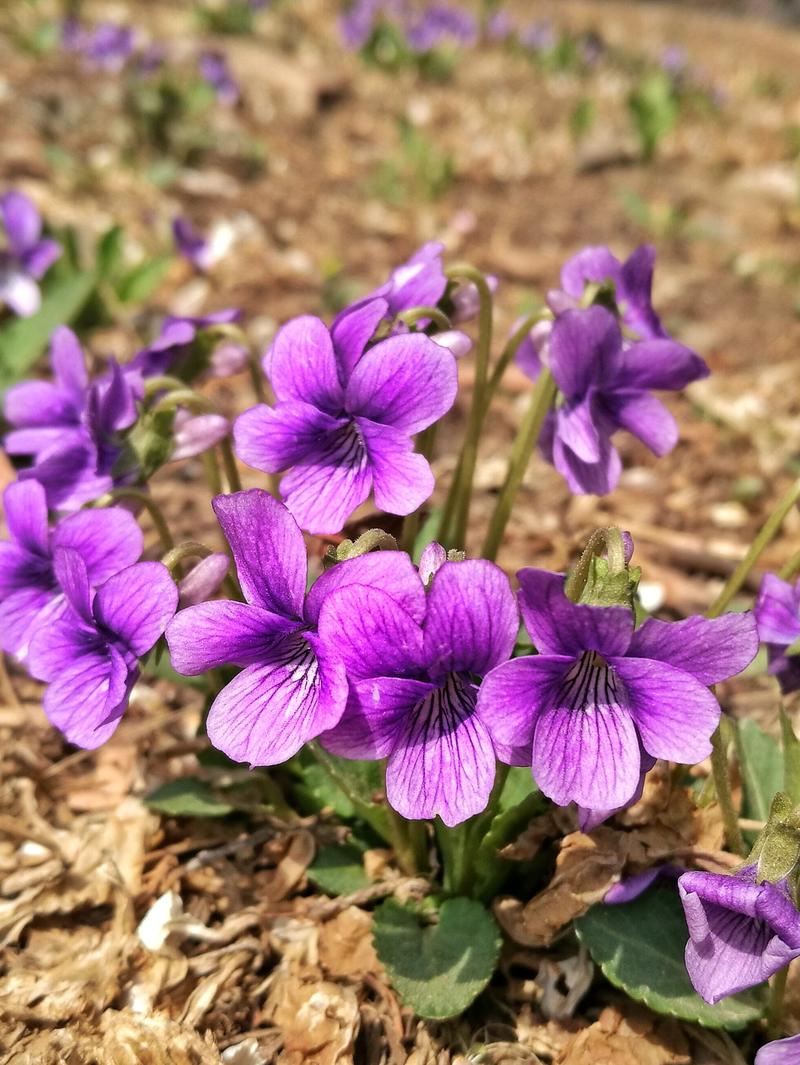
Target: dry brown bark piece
x,y
633,1037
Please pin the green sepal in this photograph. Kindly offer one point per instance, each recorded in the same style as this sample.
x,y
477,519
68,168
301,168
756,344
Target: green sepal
x,y
604,588
371,540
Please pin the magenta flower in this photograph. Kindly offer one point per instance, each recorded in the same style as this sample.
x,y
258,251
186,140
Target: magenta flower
x,y
599,703
413,669
605,386
89,654
741,932
346,415
215,72
191,244
27,257
171,352
107,47
442,24
780,1052
107,541
777,612
292,686
632,280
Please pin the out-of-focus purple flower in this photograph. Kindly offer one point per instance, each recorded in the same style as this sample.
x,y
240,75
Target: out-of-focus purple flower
x,y
107,47
214,70
203,580
780,1052
174,343
195,433
27,257
107,541
591,49
632,280
151,59
442,24
413,674
418,282
606,386
345,416
455,341
357,23
633,886
191,244
466,301
89,654
741,932
46,414
228,359
538,36
292,686
431,561
533,353
600,703
777,612
500,26
674,59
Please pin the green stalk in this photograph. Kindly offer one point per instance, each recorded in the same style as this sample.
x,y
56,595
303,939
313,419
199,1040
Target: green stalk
x,y
461,489
149,505
608,540
408,538
212,472
791,569
229,462
190,549
541,401
722,784
776,998
513,345
412,316
766,534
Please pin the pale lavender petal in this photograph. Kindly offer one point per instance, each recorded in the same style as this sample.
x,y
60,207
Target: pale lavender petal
x,y
420,281
407,381
644,416
22,222
38,259
352,329
376,716
587,754
327,486
72,576
26,516
457,343
392,572
674,713
69,365
196,433
37,404
780,1052
371,632
268,549
223,633
633,886
203,580
577,429
108,540
586,478
472,620
710,649
20,292
595,263
777,611
558,626
512,696
585,350
302,365
266,713
662,364
431,561
35,441
78,702
402,479
533,352
444,763
273,438
136,605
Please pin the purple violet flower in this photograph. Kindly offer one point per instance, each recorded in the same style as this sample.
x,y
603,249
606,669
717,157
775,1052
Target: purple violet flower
x,y
174,343
500,26
632,280
89,654
633,886
345,416
196,433
605,387
27,257
107,47
780,1052
214,71
203,580
599,703
292,685
418,282
358,21
741,932
413,671
442,24
107,541
538,36
191,244
777,612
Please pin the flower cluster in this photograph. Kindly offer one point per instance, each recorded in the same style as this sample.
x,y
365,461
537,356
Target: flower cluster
x,y
27,257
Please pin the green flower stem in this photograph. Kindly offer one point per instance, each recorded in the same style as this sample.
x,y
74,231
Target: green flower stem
x,y
608,540
212,472
541,401
185,397
149,504
256,377
766,534
454,843
722,784
775,1010
154,385
461,489
791,569
377,817
513,344
229,462
415,314
190,549
408,842
425,442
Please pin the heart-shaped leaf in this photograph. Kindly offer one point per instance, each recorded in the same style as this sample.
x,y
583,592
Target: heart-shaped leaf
x,y
339,870
441,969
640,945
187,797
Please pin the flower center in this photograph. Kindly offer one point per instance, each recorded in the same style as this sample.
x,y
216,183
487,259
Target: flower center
x,y
590,682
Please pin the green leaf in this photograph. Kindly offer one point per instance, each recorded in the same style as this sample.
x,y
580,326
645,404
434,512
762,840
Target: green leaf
x,y
187,797
137,284
339,870
791,758
520,800
639,947
761,765
24,340
438,970
109,252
